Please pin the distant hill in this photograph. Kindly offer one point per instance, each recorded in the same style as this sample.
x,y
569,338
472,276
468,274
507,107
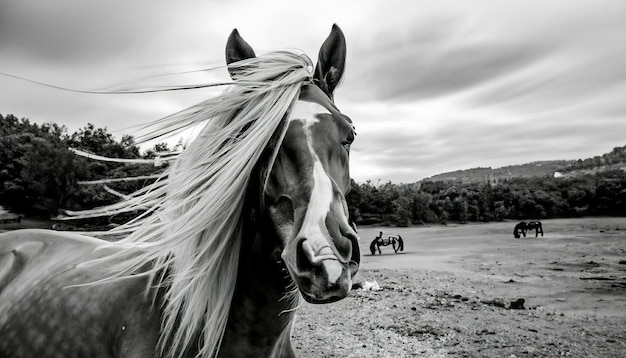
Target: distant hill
x,y
616,159
482,175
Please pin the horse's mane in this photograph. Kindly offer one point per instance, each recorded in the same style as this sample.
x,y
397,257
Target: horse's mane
x,y
191,226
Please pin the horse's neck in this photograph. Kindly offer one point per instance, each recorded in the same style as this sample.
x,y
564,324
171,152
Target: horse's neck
x,y
257,320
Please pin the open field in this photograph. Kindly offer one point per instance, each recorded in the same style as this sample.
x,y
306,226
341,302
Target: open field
x,y
455,292
450,294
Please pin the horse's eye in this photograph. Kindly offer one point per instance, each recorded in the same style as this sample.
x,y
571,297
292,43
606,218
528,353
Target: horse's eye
x,y
348,141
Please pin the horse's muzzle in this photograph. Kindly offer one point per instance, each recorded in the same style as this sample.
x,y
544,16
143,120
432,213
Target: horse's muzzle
x,y
323,274
321,253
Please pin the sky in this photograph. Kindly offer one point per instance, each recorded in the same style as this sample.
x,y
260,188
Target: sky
x,y
432,86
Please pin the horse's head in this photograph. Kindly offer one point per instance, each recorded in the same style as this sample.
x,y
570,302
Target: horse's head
x,y
306,186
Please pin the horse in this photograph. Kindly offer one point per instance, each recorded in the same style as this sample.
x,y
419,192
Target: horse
x,y
523,227
249,220
535,225
520,228
396,242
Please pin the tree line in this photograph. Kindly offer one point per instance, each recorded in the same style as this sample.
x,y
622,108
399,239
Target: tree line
x,y
602,193
39,176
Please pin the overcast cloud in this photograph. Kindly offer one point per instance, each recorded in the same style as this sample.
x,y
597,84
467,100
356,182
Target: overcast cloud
x,y
431,86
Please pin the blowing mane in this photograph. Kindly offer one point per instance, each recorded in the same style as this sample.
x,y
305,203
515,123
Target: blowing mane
x,y
191,227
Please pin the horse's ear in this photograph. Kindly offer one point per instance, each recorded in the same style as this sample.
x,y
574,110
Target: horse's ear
x,y
331,61
237,49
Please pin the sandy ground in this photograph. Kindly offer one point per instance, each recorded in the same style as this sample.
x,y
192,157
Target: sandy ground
x,y
457,291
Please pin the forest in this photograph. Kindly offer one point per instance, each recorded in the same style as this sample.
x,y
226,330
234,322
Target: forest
x,y
599,194
39,176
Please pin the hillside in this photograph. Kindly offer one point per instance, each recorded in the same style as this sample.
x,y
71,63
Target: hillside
x,y
481,175
616,159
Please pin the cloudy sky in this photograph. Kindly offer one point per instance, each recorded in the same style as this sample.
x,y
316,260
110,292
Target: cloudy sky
x,y
432,86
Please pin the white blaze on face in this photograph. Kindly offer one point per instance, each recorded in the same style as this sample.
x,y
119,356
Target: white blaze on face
x,y
314,225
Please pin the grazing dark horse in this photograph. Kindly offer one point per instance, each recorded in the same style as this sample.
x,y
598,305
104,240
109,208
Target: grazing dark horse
x,y
396,242
520,229
250,218
523,227
535,225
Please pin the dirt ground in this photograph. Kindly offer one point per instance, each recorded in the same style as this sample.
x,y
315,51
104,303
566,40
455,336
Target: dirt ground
x,y
475,291
457,291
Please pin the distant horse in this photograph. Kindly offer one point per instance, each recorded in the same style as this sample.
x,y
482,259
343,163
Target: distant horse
x,y
535,225
523,227
251,217
396,242
520,229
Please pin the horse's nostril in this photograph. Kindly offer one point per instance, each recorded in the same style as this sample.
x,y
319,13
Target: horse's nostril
x,y
309,257
303,264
